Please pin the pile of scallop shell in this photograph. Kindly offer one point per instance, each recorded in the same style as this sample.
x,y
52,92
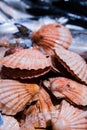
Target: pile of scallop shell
x,y
45,86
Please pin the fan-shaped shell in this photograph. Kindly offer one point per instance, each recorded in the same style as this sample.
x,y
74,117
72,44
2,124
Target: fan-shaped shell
x,y
40,114
15,95
51,35
72,64
68,89
70,118
8,123
26,63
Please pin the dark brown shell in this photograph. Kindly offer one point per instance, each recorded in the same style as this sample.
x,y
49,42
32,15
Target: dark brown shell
x,y
26,63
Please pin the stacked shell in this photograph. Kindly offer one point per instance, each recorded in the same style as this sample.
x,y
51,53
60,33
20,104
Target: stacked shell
x,y
39,114
26,63
59,102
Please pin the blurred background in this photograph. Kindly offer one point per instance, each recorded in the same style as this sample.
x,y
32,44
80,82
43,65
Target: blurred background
x,y
18,18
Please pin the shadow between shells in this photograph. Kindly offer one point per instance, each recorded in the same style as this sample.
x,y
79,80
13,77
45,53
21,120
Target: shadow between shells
x,y
44,86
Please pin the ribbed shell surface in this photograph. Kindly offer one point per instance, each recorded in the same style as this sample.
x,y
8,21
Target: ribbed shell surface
x,y
73,63
15,95
69,89
51,35
26,59
70,118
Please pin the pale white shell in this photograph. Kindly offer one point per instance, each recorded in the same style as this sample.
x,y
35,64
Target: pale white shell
x,y
9,123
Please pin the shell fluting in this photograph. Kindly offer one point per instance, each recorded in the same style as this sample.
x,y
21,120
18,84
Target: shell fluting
x,y
51,35
66,88
26,63
15,95
70,118
40,114
74,64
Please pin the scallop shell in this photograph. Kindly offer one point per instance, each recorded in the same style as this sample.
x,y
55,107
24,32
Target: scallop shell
x,y
35,117
71,64
8,123
26,63
70,118
69,89
15,95
39,114
51,35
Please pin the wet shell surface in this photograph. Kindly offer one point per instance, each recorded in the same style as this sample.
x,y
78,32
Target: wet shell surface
x,y
51,35
8,123
68,89
26,63
71,64
70,118
15,95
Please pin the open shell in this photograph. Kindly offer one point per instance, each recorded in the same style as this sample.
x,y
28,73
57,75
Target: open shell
x,y
26,63
51,35
15,95
71,64
70,118
68,89
8,123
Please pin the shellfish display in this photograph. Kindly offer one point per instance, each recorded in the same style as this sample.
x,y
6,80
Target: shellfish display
x,y
8,123
15,95
51,35
50,90
70,118
26,63
66,88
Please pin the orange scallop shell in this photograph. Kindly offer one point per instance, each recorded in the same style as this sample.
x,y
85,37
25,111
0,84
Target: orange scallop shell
x,y
68,89
70,118
15,95
51,35
71,64
26,63
8,123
